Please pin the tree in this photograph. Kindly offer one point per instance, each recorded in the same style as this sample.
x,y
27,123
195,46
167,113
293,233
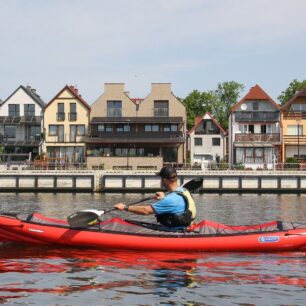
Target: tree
x,y
293,87
218,102
227,95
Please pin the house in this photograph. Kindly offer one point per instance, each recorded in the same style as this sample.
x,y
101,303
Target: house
x,y
254,131
21,122
66,120
137,133
294,127
207,140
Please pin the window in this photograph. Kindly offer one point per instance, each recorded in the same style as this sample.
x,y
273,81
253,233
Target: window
x,y
60,112
10,131
266,129
151,128
14,110
198,141
114,108
53,130
101,128
35,132
295,130
255,106
161,108
123,128
105,128
170,128
29,110
80,130
299,107
73,112
216,141
243,128
57,130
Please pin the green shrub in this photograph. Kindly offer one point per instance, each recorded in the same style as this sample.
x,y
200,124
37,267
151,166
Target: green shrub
x,y
291,163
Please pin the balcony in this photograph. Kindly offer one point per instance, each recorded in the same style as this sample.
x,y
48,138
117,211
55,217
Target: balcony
x,y
295,139
294,115
257,137
149,137
98,120
256,116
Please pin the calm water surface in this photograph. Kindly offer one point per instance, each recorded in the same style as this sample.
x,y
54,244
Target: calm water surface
x,y
49,276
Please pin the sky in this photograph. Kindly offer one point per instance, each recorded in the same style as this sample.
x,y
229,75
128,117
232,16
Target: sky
x,y
193,44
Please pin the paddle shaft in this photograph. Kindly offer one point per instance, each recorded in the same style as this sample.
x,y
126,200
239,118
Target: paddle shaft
x,y
190,185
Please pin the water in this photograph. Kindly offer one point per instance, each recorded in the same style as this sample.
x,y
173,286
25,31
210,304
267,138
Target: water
x,y
59,276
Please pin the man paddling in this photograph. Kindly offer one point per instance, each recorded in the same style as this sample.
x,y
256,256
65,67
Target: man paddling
x,y
176,208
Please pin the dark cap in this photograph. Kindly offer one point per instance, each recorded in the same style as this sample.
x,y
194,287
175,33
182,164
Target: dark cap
x,y
167,172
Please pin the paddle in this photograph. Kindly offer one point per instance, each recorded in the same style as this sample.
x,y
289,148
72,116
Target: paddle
x,y
88,217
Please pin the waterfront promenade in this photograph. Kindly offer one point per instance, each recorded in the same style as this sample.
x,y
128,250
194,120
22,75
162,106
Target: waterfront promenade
x,y
233,181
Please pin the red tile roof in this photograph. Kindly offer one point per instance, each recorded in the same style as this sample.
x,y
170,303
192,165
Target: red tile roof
x,y
74,91
256,93
198,120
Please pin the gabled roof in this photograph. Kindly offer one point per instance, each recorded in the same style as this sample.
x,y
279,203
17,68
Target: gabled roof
x,y
199,119
300,94
256,93
30,92
74,91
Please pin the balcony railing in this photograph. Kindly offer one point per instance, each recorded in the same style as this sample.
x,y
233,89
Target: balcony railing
x,y
257,137
256,116
294,115
149,137
295,139
161,112
72,116
60,116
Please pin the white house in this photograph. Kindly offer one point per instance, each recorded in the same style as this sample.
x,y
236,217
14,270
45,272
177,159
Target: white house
x,y
207,140
20,121
254,131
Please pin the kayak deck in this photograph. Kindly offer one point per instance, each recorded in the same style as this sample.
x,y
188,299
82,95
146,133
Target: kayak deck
x,y
116,233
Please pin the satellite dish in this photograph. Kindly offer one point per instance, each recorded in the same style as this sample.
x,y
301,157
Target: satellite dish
x,y
243,106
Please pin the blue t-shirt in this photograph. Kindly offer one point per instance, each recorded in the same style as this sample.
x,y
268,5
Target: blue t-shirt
x,y
172,203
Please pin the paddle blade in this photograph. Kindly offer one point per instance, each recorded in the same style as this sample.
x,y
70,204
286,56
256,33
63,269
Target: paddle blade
x,y
83,219
193,185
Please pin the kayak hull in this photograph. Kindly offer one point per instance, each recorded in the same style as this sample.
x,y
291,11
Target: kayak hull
x,y
18,231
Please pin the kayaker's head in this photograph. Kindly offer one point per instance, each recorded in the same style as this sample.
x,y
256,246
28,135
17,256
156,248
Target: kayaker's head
x,y
169,177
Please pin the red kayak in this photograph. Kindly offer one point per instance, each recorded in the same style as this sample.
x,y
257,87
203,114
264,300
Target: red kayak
x,y
273,236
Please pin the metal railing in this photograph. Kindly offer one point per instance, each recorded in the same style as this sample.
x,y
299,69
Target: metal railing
x,y
257,116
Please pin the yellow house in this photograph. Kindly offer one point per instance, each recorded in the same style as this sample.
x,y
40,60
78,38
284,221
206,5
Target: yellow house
x,y
66,120
294,127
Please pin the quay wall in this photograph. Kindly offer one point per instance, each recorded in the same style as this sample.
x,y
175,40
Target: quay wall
x,y
147,181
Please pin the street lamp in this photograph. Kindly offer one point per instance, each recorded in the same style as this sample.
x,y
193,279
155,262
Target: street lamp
x,y
128,145
298,131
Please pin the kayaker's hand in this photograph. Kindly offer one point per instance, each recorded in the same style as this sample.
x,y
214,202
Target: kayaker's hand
x,y
119,206
159,195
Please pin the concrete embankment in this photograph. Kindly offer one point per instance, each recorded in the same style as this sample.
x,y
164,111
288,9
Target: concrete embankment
x,y
146,181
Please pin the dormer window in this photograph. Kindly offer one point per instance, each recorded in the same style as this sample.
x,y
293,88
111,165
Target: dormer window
x,y
161,108
114,108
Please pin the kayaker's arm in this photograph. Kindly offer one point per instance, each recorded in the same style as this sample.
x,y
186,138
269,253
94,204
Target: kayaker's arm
x,y
139,210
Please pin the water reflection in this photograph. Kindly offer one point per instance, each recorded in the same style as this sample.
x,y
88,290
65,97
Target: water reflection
x,y
125,276
36,275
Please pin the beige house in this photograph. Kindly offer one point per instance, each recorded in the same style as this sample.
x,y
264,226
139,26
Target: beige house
x,y
128,133
66,119
294,127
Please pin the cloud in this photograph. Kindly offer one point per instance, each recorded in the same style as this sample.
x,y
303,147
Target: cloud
x,y
54,42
